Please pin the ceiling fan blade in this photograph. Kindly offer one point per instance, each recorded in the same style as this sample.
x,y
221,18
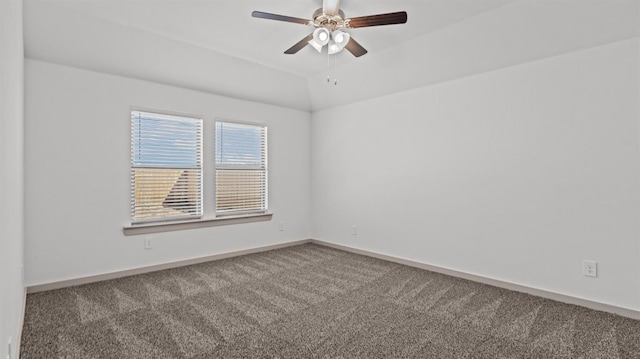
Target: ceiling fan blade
x,y
377,20
268,16
331,7
299,45
355,48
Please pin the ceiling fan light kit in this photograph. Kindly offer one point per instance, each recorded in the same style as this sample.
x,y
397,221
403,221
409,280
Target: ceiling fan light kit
x,y
320,38
338,41
330,22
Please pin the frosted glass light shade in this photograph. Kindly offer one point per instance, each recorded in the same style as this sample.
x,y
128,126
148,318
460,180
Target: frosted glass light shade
x,y
320,38
339,40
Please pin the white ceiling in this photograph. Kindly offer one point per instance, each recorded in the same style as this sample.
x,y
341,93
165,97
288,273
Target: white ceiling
x,y
216,46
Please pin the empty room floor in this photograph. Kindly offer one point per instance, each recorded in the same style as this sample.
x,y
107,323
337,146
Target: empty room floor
x,y
311,301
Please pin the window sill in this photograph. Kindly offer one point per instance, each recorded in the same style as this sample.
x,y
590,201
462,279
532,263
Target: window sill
x,y
147,228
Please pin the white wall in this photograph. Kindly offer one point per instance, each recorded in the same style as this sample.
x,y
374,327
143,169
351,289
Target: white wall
x,y
11,172
77,174
517,174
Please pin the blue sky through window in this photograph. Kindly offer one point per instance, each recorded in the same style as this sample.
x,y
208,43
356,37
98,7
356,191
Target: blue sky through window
x,y
165,142
238,144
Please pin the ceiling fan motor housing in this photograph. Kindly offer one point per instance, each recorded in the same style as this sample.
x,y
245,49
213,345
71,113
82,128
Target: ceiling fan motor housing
x,y
329,22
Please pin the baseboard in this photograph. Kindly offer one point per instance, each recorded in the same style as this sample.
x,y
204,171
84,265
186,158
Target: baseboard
x,y
18,340
625,312
157,267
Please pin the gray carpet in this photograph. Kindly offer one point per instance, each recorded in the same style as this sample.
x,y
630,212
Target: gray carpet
x,y
311,301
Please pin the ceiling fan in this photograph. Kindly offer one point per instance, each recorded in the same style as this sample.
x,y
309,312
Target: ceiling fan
x,y
330,22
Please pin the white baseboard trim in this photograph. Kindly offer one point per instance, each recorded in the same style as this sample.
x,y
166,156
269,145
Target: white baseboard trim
x,y
18,340
157,267
625,312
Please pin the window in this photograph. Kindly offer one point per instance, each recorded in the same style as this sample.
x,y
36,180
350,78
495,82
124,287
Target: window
x,y
168,173
241,168
166,167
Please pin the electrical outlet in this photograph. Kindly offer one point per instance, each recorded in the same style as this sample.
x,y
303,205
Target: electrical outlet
x,y
354,230
281,226
147,243
590,268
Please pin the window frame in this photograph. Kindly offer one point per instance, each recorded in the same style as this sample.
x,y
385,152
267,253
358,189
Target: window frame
x,y
168,115
240,213
209,217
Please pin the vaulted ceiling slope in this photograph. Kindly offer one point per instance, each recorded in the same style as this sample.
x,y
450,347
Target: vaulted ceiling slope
x,y
216,46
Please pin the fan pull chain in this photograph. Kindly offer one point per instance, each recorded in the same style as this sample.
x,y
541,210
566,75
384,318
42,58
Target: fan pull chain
x,y
335,80
335,63
328,67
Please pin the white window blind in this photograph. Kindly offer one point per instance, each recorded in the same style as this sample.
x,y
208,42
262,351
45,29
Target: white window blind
x,y
166,167
241,168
